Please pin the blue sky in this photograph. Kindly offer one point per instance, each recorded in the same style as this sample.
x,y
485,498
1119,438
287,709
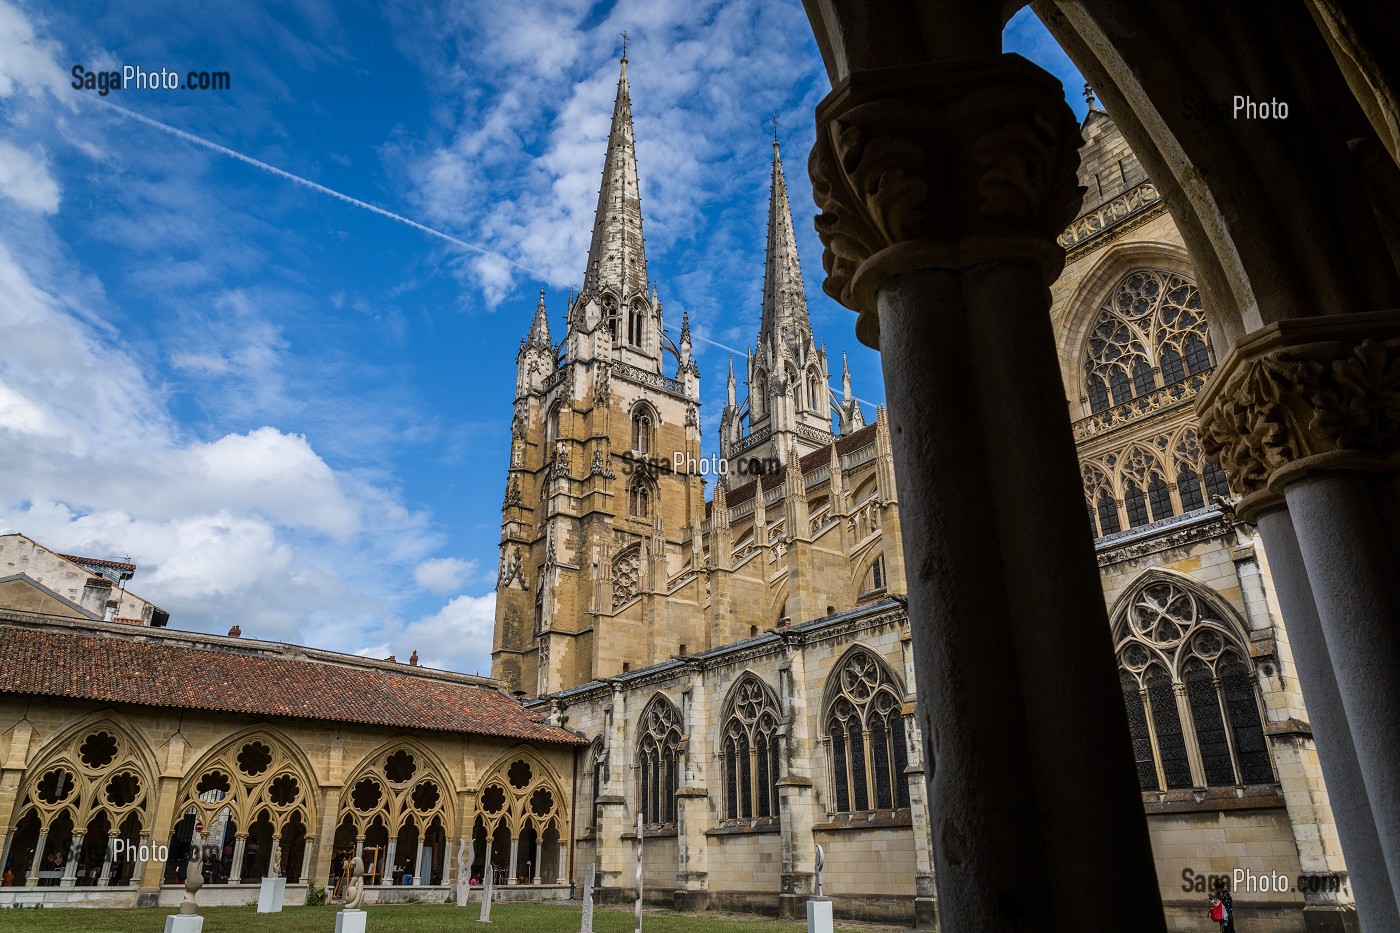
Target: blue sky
x,y
293,412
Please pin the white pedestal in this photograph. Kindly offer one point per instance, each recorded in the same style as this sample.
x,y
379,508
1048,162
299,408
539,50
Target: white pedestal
x,y
350,921
819,915
180,923
271,895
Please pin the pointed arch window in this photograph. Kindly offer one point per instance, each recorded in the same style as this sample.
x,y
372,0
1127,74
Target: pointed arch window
x,y
1193,709
814,393
1152,323
643,421
658,761
750,751
864,731
610,315
636,325
639,497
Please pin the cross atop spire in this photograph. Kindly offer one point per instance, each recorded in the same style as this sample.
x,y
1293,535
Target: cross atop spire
x,y
775,129
617,255
625,37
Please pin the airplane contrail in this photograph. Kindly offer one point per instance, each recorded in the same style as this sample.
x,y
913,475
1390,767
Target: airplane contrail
x,y
306,182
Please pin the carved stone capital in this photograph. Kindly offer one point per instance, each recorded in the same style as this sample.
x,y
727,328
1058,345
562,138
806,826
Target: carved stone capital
x,y
1303,395
942,165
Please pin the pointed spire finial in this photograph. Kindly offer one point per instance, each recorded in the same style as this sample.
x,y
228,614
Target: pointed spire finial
x,y
775,129
1089,95
625,37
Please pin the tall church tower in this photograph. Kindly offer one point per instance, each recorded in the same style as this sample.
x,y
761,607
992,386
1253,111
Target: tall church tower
x,y
594,511
789,404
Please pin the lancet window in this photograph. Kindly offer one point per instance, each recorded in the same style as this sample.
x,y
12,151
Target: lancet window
x,y
867,749
1193,709
658,761
750,750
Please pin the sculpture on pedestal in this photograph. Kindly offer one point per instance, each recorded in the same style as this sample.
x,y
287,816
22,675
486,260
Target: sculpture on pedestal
x,y
194,880
355,887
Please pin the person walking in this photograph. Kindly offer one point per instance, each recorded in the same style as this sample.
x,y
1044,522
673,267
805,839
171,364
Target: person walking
x,y
1222,906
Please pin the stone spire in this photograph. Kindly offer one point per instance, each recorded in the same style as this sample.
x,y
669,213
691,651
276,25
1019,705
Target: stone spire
x,y
784,301
617,257
732,389
539,328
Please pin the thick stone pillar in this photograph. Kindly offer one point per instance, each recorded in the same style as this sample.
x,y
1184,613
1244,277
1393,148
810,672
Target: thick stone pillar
x,y
1302,417
942,188
692,797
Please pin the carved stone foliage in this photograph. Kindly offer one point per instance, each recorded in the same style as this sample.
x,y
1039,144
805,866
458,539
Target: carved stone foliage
x,y
941,166
1281,400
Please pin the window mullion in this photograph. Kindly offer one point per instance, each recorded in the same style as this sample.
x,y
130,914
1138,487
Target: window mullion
x,y
1188,727
1152,737
1229,730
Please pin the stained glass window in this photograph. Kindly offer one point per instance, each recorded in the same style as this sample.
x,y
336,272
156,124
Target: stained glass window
x,y
1184,651
751,730
865,729
656,759
1152,319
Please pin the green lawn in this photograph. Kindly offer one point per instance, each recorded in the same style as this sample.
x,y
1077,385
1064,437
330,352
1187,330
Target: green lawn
x,y
397,918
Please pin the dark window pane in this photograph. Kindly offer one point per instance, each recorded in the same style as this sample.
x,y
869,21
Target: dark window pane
x,y
838,768
880,755
1172,368
1188,485
1098,395
1122,387
1197,356
901,761
1144,381
1108,514
1238,687
1160,497
1170,740
1210,729
731,777
1136,504
1216,484
745,779
860,792
764,777
1137,728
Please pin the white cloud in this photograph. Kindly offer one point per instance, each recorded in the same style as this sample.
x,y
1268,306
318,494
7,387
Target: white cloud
x,y
443,574
28,64
456,637
25,178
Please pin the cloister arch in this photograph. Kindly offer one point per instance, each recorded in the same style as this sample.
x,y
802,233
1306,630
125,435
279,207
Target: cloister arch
x,y
91,786
521,807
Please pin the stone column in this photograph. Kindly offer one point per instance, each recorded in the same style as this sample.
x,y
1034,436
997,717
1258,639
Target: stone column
x,y
5,849
485,865
33,880
105,879
418,862
1302,417
235,871
138,871
942,187
563,862
389,870
514,855
539,855
308,850
70,864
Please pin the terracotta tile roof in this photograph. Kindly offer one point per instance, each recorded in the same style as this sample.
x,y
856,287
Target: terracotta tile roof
x,y
115,564
87,663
